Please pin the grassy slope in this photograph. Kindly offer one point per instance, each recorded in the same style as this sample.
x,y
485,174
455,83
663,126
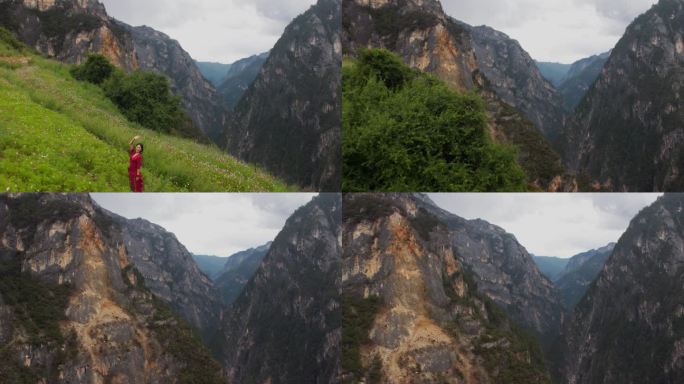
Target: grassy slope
x,y
57,134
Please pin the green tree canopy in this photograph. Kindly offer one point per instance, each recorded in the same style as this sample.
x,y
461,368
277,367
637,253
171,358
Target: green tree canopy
x,y
407,131
95,70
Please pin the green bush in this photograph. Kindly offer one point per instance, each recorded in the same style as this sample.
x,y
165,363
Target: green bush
x,y
95,70
146,98
38,306
357,319
406,131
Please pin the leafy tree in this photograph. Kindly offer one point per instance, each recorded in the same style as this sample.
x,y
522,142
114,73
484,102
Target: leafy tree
x,y
95,70
146,98
407,131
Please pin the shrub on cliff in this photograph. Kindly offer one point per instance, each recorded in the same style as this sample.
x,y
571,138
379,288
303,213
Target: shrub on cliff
x,y
407,131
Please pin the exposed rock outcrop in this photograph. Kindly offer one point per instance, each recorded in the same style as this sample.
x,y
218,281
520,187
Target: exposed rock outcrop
x,y
285,325
289,120
629,327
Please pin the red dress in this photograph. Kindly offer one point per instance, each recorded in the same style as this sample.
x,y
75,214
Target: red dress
x,y
133,168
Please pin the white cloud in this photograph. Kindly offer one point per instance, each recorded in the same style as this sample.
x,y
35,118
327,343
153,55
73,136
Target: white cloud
x,y
213,30
213,224
560,225
554,30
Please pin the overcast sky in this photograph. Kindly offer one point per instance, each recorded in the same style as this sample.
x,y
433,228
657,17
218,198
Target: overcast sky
x,y
213,30
211,224
554,30
560,225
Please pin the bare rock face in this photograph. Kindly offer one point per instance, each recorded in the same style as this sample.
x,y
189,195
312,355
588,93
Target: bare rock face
x,y
517,81
87,315
504,270
630,137
523,108
285,325
289,120
411,310
629,326
68,30
170,272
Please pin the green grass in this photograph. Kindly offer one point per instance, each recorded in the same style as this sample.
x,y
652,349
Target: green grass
x,y
58,134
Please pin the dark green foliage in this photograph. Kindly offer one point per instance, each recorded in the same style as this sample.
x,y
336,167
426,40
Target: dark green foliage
x,y
184,344
406,131
357,318
27,211
12,370
375,371
96,69
146,98
38,306
519,362
384,66
6,37
143,97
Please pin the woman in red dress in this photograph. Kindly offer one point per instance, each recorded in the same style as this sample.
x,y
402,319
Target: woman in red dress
x,y
135,164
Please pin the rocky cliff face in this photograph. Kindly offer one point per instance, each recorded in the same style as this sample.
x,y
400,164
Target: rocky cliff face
x,y
517,81
171,273
74,306
504,270
289,120
469,58
284,327
239,77
630,136
581,271
580,77
411,311
237,272
629,328
68,30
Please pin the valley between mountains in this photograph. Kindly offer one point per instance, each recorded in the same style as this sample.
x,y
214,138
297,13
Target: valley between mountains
x,y
360,288
610,122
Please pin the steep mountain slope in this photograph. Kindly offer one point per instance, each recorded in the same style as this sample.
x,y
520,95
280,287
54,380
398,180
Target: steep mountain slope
x,y
68,30
580,272
59,134
237,272
74,306
465,58
503,270
580,78
555,73
289,119
285,325
210,265
171,273
411,311
214,72
630,136
239,77
629,328
517,81
551,267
